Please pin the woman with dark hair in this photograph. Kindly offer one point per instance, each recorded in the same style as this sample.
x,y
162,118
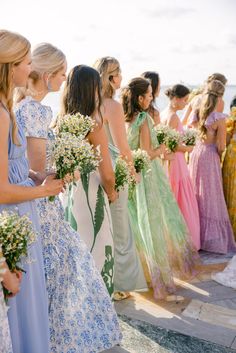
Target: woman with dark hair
x,y
205,171
156,85
161,233
82,93
180,181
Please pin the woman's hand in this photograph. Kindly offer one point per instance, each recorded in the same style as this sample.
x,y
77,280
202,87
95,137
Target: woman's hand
x,y
11,281
113,196
169,156
52,186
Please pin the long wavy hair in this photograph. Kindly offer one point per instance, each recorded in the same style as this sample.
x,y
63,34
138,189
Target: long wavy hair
x,y
130,96
82,92
13,48
214,90
107,68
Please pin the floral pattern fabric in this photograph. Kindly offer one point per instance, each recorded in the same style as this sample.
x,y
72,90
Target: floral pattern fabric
x,y
82,317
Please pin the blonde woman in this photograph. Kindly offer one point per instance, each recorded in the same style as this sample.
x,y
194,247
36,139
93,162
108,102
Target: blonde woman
x,y
128,274
71,275
216,232
196,97
28,313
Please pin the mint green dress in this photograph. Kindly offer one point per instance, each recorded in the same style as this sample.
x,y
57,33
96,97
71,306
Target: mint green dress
x,y
128,271
160,230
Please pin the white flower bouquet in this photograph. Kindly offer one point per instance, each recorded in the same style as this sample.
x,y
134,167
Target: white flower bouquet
x,y
189,137
16,235
69,153
75,124
172,140
141,160
122,173
161,131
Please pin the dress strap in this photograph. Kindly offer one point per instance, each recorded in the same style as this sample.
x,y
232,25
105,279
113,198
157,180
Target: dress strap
x,y
140,119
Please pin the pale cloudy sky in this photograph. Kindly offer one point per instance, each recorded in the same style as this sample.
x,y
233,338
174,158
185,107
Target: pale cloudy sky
x,y
184,40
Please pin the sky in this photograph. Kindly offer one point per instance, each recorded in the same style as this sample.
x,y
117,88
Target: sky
x,y
183,40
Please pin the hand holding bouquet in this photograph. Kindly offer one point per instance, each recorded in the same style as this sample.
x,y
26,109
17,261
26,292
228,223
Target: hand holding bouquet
x,y
141,163
122,173
161,131
189,137
172,140
16,234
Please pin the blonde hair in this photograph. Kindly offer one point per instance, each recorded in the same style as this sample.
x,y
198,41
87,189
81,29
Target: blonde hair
x,y
107,68
217,76
13,48
214,90
45,59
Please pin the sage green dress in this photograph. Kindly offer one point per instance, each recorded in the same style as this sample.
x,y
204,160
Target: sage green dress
x,y
128,271
160,230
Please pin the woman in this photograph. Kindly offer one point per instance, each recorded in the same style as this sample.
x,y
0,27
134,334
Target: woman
x,y
197,95
82,93
28,313
179,177
77,295
229,166
205,171
128,274
157,223
156,86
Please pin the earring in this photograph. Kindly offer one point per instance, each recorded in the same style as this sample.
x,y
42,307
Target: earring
x,y
49,87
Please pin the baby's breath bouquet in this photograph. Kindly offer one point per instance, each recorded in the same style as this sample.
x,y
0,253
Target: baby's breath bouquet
x,y
16,234
189,137
161,131
122,173
172,140
141,163
75,124
69,153
141,160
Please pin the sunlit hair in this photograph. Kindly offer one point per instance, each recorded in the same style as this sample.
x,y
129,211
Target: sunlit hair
x,y
213,91
217,76
46,58
82,92
13,48
179,91
107,68
130,96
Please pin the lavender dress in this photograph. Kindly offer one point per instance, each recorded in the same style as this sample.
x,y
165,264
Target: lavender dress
x,y
205,171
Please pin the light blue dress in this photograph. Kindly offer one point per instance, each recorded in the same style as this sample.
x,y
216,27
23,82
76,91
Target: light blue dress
x,y
82,317
28,313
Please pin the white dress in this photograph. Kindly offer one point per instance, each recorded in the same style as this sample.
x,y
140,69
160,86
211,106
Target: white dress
x,y
82,317
5,340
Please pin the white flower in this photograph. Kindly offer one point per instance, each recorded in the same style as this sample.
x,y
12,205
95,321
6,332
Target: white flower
x,y
75,124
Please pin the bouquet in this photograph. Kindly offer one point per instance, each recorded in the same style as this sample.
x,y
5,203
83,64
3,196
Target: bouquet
x,y
141,163
68,154
161,131
122,173
16,234
75,124
172,139
141,160
189,137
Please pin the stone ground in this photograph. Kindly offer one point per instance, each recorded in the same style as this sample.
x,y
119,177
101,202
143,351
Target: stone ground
x,y
204,321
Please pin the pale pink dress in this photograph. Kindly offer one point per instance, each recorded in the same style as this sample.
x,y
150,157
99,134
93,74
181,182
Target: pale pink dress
x,y
183,190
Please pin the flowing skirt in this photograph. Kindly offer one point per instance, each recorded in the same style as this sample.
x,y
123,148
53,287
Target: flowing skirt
x,y
160,231
205,172
182,188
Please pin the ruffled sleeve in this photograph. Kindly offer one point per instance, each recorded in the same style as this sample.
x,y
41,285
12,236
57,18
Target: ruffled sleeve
x,y
213,117
193,118
35,118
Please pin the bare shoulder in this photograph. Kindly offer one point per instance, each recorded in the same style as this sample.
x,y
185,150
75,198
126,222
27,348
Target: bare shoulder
x,y
173,118
111,105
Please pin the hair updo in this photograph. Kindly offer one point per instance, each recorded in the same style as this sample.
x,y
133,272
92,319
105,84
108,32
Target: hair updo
x,y
179,91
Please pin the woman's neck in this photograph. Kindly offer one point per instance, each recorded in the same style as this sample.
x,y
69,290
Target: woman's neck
x,y
38,91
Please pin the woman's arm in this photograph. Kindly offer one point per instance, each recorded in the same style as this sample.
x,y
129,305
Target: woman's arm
x,y
221,136
173,123
98,138
36,153
11,193
145,142
187,114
